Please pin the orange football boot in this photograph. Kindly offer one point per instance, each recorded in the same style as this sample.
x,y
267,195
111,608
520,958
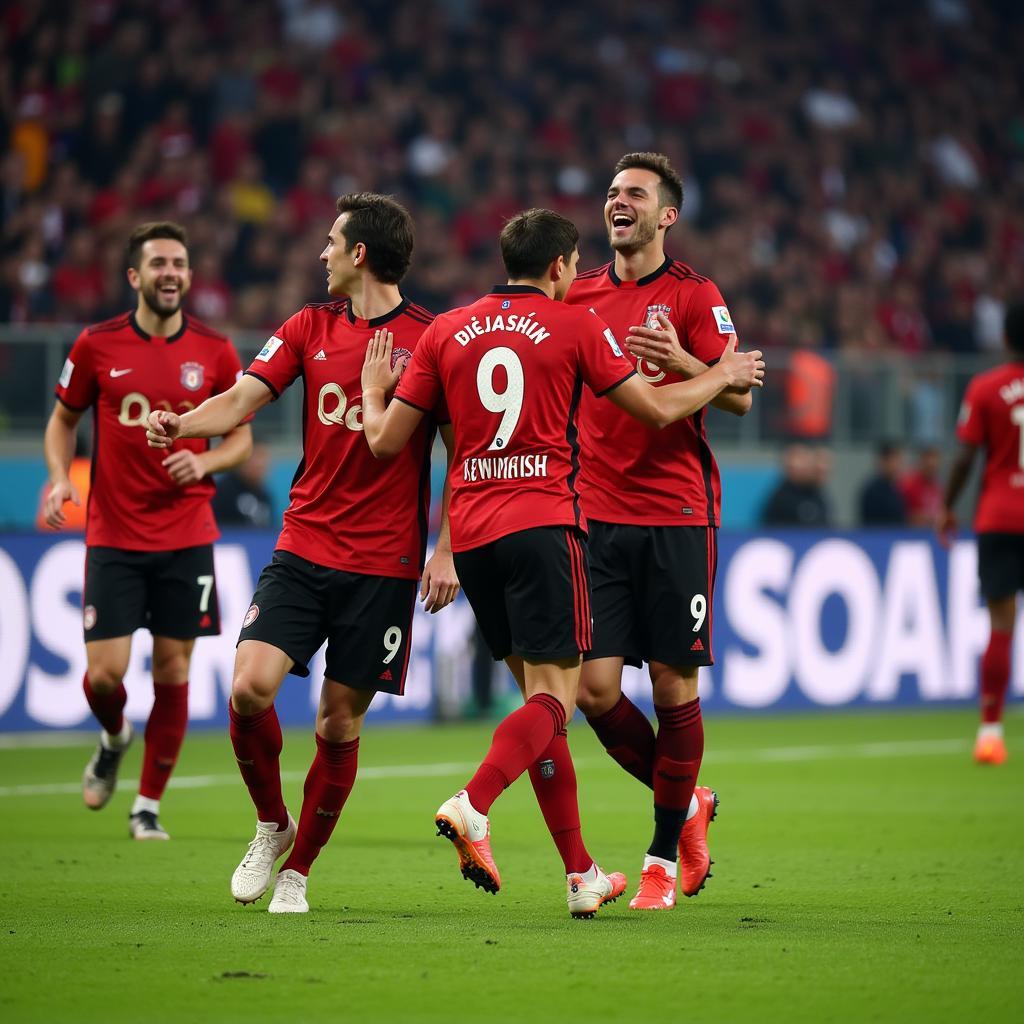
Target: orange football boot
x,y
586,898
657,890
694,860
470,834
990,750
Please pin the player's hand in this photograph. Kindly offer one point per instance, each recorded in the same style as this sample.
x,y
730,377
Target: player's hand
x,y
185,467
163,428
378,371
946,527
742,369
53,507
661,347
440,584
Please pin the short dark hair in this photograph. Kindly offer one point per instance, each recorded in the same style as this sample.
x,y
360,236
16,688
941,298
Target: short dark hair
x,y
670,187
384,227
147,232
1013,326
532,240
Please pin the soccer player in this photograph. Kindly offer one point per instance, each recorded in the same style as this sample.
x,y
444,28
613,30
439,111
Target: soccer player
x,y
349,557
992,418
511,370
653,500
149,529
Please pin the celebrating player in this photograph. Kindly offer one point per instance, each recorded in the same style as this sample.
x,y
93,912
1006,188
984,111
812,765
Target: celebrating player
x,y
992,418
350,554
511,368
149,529
653,500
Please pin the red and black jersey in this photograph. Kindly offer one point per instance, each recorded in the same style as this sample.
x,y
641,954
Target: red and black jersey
x,y
631,473
992,417
348,510
123,374
511,368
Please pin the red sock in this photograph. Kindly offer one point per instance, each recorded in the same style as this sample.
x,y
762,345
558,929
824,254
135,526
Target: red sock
x,y
628,736
165,732
328,784
108,707
995,676
678,752
517,742
554,782
257,743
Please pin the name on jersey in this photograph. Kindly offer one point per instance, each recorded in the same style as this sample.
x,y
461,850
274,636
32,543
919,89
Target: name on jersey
x,y
1013,392
505,467
512,322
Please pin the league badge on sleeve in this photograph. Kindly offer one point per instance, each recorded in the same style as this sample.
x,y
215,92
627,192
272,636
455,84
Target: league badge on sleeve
x,y
724,321
267,352
192,376
65,374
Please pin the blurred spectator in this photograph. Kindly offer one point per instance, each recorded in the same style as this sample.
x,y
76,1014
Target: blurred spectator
x,y
800,499
242,498
922,489
881,500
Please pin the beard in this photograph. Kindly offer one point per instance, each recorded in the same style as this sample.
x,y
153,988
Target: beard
x,y
160,306
644,232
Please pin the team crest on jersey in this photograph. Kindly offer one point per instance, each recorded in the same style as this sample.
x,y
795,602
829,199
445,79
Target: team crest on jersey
x,y
398,354
250,615
192,376
89,616
651,320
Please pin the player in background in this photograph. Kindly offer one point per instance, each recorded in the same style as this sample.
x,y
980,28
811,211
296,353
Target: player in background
x,y
149,526
511,369
992,419
351,551
653,500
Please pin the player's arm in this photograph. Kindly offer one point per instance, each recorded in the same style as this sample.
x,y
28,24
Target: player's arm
x,y
387,428
958,474
440,582
59,451
187,467
658,407
662,348
218,416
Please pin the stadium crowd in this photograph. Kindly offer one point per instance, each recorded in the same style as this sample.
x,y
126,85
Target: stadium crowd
x,y
853,174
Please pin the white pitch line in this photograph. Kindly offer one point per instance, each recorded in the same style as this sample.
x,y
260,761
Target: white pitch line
x,y
818,752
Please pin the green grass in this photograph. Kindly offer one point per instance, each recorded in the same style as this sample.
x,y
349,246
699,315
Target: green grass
x,y
851,884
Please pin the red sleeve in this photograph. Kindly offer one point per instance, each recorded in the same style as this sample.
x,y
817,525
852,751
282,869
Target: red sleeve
x,y
279,362
76,387
601,359
707,325
970,424
420,385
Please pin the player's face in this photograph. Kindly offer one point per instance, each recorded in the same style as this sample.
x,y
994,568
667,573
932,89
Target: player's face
x,y
163,276
338,261
564,283
632,210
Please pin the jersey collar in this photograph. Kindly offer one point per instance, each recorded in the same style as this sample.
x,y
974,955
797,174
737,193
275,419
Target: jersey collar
x,y
640,281
149,337
377,321
517,289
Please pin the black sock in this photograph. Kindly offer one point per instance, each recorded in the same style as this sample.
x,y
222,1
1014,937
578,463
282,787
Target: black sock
x,y
668,823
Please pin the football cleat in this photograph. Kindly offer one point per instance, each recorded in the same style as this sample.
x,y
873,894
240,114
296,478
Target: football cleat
x,y
144,825
99,780
470,834
990,750
657,890
694,860
252,877
289,893
585,899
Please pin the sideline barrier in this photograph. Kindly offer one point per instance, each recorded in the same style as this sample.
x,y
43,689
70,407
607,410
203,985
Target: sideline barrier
x,y
803,620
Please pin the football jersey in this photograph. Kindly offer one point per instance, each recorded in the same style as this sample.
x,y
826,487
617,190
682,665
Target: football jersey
x,y
511,369
348,510
123,374
631,473
992,417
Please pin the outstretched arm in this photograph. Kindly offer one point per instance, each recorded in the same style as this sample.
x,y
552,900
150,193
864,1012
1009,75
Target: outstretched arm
x,y
959,472
387,428
217,416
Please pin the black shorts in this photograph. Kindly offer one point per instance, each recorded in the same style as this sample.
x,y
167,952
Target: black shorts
x,y
653,588
530,592
1000,564
170,593
366,621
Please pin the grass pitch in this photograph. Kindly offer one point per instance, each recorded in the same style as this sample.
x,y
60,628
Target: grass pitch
x,y
866,870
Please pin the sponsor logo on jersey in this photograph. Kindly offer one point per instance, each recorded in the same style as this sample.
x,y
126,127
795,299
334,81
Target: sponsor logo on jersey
x,y
724,321
267,352
119,373
251,615
507,304
610,338
65,374
192,376
89,616
650,373
320,356
651,320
